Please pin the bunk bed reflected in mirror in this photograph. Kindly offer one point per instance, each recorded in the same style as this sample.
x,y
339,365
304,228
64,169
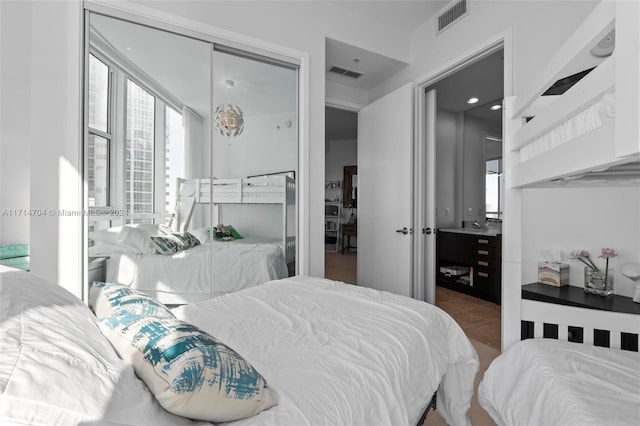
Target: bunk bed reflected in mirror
x,y
263,159
152,163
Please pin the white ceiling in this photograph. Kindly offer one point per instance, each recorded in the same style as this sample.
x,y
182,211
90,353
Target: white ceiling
x,y
182,66
401,14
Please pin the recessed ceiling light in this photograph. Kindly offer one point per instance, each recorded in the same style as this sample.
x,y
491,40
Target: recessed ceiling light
x,y
472,100
496,107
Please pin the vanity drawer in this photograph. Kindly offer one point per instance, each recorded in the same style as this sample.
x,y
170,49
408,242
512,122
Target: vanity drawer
x,y
483,252
486,241
486,263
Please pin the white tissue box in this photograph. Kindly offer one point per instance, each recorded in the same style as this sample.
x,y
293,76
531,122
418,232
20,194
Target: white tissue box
x,y
552,273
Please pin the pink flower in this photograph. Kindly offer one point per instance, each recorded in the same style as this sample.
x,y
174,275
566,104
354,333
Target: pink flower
x,y
584,253
608,253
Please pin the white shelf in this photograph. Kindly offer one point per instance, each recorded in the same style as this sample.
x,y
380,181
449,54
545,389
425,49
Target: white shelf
x,y
333,190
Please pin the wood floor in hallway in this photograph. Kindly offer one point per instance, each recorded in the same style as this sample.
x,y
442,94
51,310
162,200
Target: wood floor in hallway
x,y
341,267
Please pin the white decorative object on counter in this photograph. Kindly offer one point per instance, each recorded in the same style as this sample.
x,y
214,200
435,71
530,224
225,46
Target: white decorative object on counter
x,y
632,271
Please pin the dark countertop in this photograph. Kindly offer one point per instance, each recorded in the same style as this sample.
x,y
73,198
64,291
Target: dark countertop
x,y
575,296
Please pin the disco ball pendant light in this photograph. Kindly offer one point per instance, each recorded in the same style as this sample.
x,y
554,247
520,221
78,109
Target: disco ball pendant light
x,y
229,120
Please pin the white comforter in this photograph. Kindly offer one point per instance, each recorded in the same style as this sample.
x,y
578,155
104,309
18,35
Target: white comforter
x,y
189,275
338,354
550,382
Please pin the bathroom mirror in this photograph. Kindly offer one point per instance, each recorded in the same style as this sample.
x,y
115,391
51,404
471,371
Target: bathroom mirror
x,y
482,161
164,156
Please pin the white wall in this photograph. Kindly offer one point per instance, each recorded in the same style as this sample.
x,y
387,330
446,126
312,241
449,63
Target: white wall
x,y
15,119
448,172
567,219
265,146
56,112
536,26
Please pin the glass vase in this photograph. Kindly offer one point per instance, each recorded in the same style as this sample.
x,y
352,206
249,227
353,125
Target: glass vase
x,y
594,282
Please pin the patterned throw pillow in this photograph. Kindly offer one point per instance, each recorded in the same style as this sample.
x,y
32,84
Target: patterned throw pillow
x,y
225,233
187,240
166,245
172,243
109,299
190,372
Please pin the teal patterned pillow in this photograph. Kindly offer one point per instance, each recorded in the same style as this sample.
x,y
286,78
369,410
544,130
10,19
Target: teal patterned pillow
x,y
190,372
173,243
107,299
167,245
225,233
187,240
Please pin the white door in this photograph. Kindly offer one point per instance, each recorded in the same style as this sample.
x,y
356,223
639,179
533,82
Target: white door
x,y
385,143
425,199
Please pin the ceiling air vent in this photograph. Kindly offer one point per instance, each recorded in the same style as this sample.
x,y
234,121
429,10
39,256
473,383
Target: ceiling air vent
x,y
345,72
451,15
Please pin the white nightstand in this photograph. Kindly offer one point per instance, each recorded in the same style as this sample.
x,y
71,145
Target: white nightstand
x,y
97,269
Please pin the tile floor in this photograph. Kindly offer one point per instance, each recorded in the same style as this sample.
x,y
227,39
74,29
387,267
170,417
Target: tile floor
x,y
479,319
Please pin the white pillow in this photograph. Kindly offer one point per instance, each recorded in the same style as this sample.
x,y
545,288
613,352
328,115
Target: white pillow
x,y
107,236
136,239
202,234
190,372
56,367
107,299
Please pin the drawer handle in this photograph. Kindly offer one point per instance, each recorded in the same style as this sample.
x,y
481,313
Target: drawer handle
x,y
481,263
483,252
483,274
483,241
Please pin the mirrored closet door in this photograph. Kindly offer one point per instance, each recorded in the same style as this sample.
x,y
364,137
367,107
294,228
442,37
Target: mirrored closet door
x,y
190,160
255,146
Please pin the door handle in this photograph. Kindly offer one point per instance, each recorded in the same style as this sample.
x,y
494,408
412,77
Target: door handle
x,y
404,231
428,231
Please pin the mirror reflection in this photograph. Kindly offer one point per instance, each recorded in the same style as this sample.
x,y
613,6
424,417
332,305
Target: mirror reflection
x,y
174,212
482,161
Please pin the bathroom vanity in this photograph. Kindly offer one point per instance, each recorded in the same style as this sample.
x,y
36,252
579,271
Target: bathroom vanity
x,y
470,261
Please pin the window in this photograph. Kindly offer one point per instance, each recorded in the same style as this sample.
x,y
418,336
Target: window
x,y
174,141
492,189
99,141
139,151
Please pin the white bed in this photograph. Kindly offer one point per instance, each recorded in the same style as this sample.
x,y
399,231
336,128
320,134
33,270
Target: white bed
x,y
276,189
197,273
591,128
56,368
551,382
341,355
331,352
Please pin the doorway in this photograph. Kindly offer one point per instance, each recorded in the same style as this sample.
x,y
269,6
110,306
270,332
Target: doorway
x,y
341,208
465,111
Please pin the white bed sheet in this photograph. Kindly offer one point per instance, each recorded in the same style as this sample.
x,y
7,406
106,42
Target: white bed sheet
x,y
337,354
188,275
551,382
592,117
